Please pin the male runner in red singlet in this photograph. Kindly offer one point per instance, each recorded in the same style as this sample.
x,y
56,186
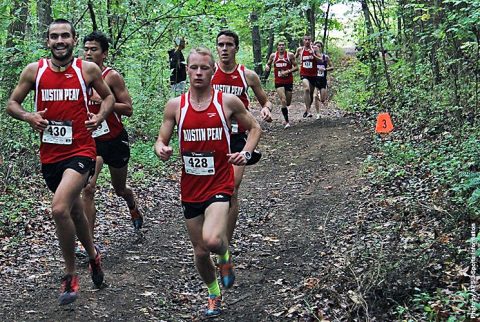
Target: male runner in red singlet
x,y
111,138
233,78
284,65
307,55
203,117
67,150
323,66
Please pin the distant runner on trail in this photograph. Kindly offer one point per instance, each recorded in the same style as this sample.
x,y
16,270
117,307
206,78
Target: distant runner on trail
x,y
203,117
233,78
67,149
111,138
284,65
307,55
323,66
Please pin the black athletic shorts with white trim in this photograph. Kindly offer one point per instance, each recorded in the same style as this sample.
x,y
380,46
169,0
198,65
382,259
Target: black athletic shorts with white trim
x,y
237,143
53,172
195,209
115,152
312,80
288,87
321,82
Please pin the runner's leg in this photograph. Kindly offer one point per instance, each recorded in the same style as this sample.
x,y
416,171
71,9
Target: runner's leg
x,y
234,204
88,195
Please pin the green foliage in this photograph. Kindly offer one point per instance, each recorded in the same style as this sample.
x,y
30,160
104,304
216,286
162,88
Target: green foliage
x,y
352,93
442,305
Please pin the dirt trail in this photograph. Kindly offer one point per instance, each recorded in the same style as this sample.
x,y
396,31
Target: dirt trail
x,y
296,205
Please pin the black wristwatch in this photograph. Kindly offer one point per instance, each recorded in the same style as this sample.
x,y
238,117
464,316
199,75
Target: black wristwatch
x,y
247,155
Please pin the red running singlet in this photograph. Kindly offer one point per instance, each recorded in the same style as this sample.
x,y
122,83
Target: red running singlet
x,y
232,83
64,95
308,66
204,140
282,64
112,127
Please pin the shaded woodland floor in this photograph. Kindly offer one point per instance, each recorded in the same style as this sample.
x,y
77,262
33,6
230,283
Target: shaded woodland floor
x,y
292,241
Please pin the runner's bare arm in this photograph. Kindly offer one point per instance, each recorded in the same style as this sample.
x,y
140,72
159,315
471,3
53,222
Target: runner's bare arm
x,y
269,62
14,105
93,76
329,64
234,108
297,52
294,63
253,81
162,149
123,101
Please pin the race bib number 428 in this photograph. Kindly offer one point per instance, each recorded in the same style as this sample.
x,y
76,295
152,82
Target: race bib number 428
x,y
58,132
199,163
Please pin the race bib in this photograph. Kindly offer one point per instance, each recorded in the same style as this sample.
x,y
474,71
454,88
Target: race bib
x,y
234,126
101,130
320,70
307,64
58,132
199,163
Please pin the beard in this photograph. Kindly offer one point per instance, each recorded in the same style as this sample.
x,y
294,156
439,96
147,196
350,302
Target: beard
x,y
68,53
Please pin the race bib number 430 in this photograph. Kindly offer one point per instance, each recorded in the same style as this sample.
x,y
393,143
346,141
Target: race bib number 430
x,y
199,163
58,132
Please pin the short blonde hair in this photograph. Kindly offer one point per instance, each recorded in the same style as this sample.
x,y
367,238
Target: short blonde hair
x,y
204,51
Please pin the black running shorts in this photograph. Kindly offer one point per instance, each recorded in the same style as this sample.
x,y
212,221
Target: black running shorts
x,y
115,152
288,87
312,80
53,172
237,143
321,82
194,209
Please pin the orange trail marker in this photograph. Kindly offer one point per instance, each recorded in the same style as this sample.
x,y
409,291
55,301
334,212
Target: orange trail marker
x,y
384,123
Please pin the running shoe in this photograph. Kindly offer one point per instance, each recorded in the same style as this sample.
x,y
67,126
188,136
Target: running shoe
x,y
137,218
213,306
318,116
305,114
96,269
287,125
310,115
227,276
68,293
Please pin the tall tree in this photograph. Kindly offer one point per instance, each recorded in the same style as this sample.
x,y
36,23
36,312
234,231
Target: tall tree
x,y
15,36
256,43
44,13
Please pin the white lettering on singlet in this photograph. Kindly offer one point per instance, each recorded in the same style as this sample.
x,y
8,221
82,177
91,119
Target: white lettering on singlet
x,y
229,89
65,94
308,57
208,134
280,65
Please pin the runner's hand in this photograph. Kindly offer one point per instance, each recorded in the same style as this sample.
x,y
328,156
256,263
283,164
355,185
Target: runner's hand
x,y
237,158
93,122
165,152
37,121
266,114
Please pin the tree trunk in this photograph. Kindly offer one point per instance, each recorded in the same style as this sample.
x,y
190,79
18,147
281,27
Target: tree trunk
x,y
92,15
15,34
257,44
44,13
311,20
271,41
325,28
